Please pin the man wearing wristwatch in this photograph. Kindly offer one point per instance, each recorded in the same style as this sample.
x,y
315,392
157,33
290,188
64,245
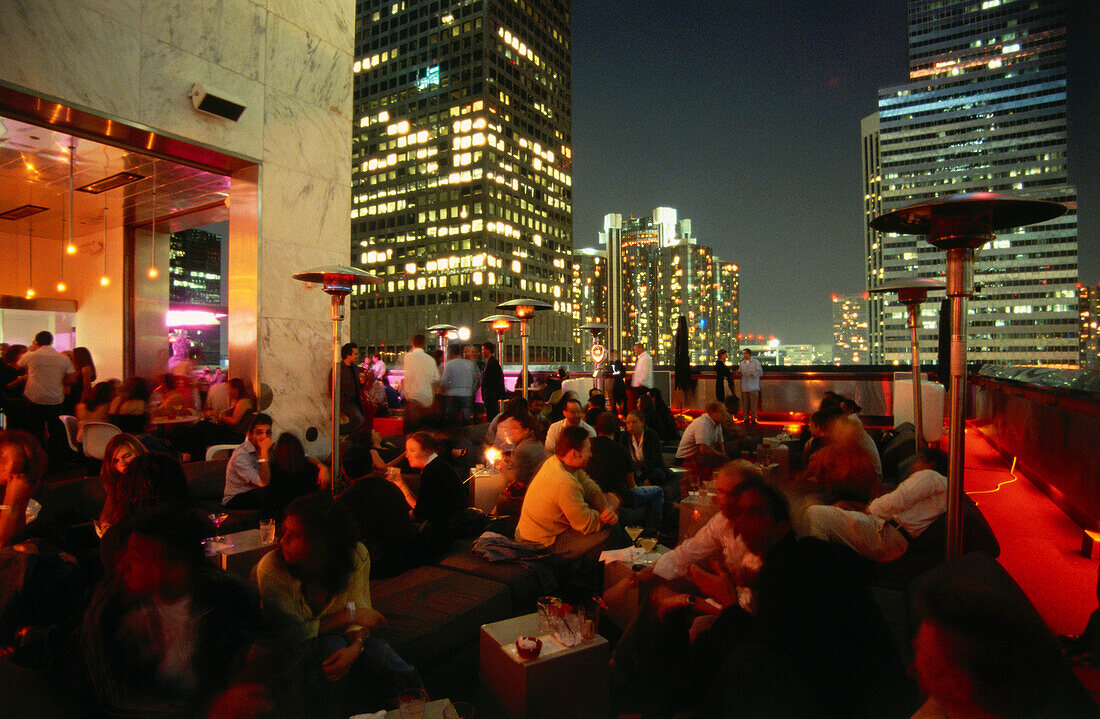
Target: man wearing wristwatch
x,y
247,474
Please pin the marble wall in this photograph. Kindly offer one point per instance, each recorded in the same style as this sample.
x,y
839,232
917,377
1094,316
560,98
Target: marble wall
x,y
288,62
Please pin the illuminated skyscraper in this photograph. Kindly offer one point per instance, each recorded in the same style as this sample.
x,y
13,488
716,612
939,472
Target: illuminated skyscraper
x,y
1088,313
588,296
984,110
872,238
666,274
195,281
850,345
727,307
462,167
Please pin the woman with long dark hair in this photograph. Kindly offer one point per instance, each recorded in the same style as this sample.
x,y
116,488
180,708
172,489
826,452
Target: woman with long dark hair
x,y
293,475
122,449
80,390
316,588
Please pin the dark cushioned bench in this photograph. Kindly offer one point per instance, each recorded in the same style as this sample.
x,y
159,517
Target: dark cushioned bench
x,y
522,583
434,616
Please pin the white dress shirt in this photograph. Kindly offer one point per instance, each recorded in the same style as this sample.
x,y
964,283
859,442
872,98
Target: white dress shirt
x,y
750,375
46,370
555,429
643,371
702,430
421,373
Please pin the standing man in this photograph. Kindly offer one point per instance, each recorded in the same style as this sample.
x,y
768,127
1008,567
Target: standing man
x,y
641,380
351,402
421,378
492,381
724,378
47,371
378,368
460,381
617,371
750,371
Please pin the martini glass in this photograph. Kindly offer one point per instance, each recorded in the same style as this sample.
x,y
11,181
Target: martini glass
x,y
634,533
218,518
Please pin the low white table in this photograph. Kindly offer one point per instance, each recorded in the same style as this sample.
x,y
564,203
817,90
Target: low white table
x,y
695,511
573,682
485,486
241,552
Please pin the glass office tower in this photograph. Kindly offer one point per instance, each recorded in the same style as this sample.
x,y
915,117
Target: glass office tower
x,y
461,174
984,110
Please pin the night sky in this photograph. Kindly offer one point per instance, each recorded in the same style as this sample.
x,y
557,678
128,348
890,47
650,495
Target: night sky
x,y
744,116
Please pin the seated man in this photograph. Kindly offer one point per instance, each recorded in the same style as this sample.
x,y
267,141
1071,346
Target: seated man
x,y
702,448
247,474
813,644
611,468
736,439
883,529
168,635
563,508
597,405
573,418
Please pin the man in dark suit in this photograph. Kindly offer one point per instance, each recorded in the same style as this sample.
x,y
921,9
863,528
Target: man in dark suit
x,y
724,377
644,446
617,371
492,381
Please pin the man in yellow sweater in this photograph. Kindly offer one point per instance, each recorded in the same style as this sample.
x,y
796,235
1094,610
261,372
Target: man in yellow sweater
x,y
564,508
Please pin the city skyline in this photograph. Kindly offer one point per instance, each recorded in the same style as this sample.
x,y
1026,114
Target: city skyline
x,y
758,140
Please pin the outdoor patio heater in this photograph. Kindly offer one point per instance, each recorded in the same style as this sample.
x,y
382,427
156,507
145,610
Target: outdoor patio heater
x,y
499,324
960,224
337,282
443,332
597,351
525,309
912,292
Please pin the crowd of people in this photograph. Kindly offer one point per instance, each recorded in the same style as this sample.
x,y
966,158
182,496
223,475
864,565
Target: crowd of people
x,y
764,611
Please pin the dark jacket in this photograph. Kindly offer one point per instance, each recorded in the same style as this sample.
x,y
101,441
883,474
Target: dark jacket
x,y
651,451
724,379
492,381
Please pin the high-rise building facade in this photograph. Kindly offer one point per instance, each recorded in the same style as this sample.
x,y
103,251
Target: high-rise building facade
x,y
462,167
984,110
588,297
195,282
727,307
850,343
872,238
1088,313
666,274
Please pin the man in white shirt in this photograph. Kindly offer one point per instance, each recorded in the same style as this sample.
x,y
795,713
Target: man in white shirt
x,y
750,371
378,368
47,369
702,446
419,384
882,531
459,383
573,418
641,378
247,474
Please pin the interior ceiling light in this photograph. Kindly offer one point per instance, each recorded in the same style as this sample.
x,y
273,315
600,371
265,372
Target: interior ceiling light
x,y
109,183
18,213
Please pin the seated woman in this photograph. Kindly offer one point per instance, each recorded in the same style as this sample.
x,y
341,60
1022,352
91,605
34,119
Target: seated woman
x,y
154,479
316,590
521,463
441,493
22,466
226,427
130,407
170,399
96,409
122,449
293,475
